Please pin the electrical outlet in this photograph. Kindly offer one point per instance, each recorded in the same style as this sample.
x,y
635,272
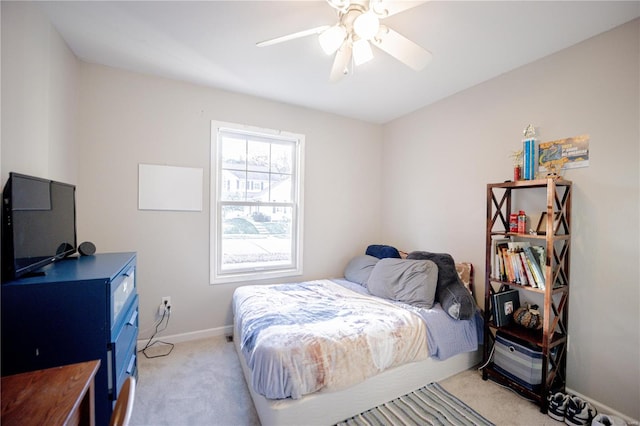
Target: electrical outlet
x,y
165,303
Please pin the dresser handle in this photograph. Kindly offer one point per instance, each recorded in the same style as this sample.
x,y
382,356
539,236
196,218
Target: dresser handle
x,y
132,320
131,364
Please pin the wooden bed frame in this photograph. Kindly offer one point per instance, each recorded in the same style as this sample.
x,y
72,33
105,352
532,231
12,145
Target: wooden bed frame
x,y
328,408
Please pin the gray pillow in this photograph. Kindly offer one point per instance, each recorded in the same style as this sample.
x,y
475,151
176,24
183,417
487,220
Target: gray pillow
x,y
359,269
409,281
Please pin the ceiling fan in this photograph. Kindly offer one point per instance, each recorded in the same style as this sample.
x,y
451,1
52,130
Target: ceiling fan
x,y
359,27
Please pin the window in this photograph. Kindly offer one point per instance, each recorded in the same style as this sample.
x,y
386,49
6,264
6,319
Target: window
x,y
256,203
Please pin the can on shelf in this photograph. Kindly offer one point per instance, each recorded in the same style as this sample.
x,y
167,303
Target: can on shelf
x,y
522,222
513,222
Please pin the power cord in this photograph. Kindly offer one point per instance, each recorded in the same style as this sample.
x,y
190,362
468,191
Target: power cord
x,y
489,359
165,314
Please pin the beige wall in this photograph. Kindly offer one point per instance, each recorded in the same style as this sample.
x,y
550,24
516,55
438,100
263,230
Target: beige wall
x,y
128,118
438,161
39,97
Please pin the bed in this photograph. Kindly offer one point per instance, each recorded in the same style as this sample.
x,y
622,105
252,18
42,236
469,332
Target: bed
x,y
319,352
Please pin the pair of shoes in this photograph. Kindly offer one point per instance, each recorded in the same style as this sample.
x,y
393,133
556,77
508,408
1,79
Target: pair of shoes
x,y
579,412
571,409
557,405
607,420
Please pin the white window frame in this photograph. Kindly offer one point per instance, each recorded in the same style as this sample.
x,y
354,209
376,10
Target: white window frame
x,y
217,276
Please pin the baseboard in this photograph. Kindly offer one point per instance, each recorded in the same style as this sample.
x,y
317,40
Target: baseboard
x,y
193,335
602,408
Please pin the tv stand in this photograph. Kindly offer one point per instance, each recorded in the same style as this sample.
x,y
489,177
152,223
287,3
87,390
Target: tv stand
x,y
75,310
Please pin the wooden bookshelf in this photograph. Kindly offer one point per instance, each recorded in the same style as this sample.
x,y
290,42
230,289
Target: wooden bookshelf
x,y
552,338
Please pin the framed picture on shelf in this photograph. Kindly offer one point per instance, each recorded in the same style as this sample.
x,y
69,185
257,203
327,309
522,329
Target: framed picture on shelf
x,y
541,228
505,304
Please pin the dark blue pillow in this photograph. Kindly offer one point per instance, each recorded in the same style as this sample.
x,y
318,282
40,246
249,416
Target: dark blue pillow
x,y
381,251
452,294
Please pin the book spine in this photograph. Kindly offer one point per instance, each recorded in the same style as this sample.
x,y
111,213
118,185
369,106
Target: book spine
x,y
530,278
524,279
496,317
508,265
505,262
535,268
503,267
516,268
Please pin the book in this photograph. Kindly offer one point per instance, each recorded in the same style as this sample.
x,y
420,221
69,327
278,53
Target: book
x,y
540,256
524,278
496,260
535,267
505,304
502,267
508,266
515,247
515,261
530,278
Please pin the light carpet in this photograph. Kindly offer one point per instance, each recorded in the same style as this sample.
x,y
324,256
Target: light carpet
x,y
201,383
429,405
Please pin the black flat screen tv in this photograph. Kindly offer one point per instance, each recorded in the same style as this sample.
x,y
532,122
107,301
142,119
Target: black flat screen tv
x,y
38,224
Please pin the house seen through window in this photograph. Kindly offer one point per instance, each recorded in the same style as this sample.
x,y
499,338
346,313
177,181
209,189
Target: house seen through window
x,y
256,208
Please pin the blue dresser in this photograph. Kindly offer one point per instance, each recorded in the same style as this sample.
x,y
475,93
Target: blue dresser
x,y
80,309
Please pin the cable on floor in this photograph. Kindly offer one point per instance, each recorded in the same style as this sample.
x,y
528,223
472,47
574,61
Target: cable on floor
x,y
166,314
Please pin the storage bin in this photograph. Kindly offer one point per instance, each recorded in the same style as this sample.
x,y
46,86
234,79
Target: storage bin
x,y
519,360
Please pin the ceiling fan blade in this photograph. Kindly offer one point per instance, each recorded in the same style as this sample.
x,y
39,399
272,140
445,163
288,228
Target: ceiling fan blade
x,y
385,8
401,48
341,62
292,36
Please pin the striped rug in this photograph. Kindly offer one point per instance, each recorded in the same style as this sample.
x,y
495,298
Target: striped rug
x,y
429,405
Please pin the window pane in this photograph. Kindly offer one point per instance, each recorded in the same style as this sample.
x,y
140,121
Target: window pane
x,y
234,153
258,156
256,237
258,186
280,189
233,185
282,158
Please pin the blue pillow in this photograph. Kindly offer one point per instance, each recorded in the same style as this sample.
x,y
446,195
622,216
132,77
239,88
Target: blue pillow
x,y
382,251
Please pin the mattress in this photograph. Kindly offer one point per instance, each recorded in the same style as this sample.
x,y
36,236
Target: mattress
x,y
297,339
328,408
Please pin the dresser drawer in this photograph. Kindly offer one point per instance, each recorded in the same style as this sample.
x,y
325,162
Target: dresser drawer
x,y
123,289
124,345
130,369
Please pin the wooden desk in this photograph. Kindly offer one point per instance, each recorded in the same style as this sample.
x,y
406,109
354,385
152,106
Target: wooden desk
x,y
55,396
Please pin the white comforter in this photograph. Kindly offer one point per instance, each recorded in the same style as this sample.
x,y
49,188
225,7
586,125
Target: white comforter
x,y
301,338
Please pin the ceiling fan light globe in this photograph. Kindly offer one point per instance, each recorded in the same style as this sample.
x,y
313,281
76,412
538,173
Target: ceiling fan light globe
x,y
362,52
339,4
366,25
331,39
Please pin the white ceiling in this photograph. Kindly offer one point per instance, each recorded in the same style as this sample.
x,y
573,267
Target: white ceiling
x,y
212,43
